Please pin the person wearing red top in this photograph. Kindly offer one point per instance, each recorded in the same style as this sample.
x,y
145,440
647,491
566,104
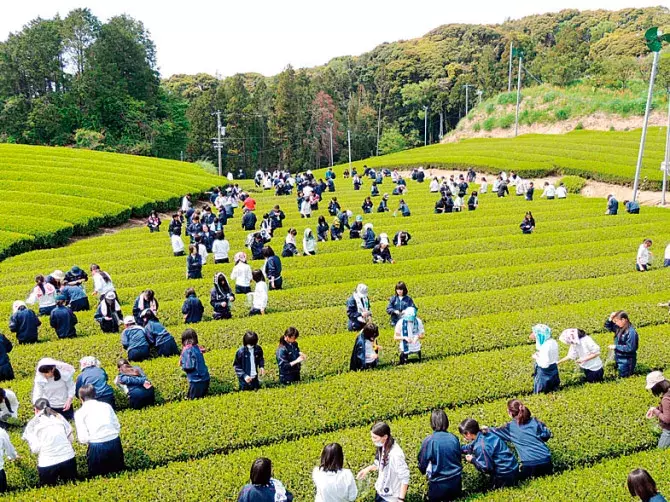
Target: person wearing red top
x,y
250,203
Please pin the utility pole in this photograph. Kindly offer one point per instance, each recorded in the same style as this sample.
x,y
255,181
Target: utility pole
x,y
379,122
349,143
666,164
330,128
218,143
467,98
509,78
425,125
518,96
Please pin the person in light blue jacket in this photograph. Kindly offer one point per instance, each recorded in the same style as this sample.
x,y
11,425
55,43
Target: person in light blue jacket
x,y
440,460
93,374
134,340
529,437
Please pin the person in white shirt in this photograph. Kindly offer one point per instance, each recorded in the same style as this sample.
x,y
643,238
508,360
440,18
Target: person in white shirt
x,y
503,175
585,352
643,261
496,185
393,478
220,248
6,450
549,191
434,185
561,192
9,407
308,242
44,294
260,294
546,360
102,282
202,250
241,274
54,382
409,332
458,204
333,483
305,207
98,427
177,245
186,202
484,185
50,436
520,186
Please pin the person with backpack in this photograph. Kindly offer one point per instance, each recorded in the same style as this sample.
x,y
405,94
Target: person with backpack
x,y
221,296
440,460
249,362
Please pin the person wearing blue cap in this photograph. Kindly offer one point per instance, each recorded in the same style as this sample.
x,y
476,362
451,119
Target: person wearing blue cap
x,y
546,360
62,318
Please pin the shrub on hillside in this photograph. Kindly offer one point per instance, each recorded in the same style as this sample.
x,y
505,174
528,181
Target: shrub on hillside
x,y
91,140
573,184
562,114
489,124
506,121
477,127
490,108
507,98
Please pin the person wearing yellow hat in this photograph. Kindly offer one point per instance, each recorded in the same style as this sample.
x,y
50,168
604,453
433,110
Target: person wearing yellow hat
x,y
660,386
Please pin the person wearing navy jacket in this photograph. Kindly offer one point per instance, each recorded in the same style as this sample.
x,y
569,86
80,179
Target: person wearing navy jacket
x,y
489,454
289,357
146,300
193,363
626,342
399,302
93,374
192,308
272,268
368,236
249,220
62,319
75,296
6,370
24,323
134,340
221,297
528,435
383,204
366,353
158,336
367,205
263,487
358,308
440,460
249,362
612,205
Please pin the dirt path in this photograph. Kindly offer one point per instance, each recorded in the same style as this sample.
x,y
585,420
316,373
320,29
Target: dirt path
x,y
591,189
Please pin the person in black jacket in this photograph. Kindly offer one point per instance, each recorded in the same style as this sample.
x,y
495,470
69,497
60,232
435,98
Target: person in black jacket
x,y
272,268
62,318
108,314
221,297
249,220
256,247
366,352
356,227
6,370
76,276
401,238
381,253
174,228
192,308
442,452
249,362
193,263
289,357
528,224
24,323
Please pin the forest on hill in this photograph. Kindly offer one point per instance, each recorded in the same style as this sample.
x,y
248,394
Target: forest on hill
x,y
78,81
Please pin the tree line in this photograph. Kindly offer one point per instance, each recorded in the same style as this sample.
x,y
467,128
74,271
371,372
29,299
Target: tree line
x,y
77,81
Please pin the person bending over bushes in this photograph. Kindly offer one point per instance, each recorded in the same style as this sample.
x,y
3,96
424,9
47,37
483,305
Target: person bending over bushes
x,y
193,363
366,351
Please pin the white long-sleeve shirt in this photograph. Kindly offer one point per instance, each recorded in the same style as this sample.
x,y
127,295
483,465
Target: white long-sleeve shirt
x,y
6,449
585,348
393,475
49,437
13,403
100,286
260,296
643,256
96,422
220,248
241,274
305,208
549,191
484,187
57,392
309,245
561,192
44,299
434,186
547,354
202,251
338,486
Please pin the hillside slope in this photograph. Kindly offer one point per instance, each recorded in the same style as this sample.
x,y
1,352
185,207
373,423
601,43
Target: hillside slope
x,y
48,194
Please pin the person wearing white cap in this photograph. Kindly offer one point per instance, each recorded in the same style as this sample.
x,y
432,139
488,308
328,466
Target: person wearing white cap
x,y
108,314
546,360
660,386
368,236
93,374
54,381
24,323
134,340
381,253
585,352
358,308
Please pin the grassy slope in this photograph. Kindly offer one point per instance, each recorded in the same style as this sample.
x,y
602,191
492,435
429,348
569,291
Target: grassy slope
x,y
50,194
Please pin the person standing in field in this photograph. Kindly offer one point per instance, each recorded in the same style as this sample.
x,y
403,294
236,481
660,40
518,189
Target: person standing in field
x,y
333,483
241,274
365,354
626,342
289,357
612,205
546,378
643,260
358,308
585,352
249,362
660,387
399,302
193,363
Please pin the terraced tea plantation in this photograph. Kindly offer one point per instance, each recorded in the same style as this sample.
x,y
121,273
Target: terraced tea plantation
x,y
604,156
479,285
48,195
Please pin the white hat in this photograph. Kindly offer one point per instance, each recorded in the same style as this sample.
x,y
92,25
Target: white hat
x,y
653,378
110,295
58,275
128,320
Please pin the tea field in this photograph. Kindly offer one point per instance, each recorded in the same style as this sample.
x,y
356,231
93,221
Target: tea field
x,y
479,285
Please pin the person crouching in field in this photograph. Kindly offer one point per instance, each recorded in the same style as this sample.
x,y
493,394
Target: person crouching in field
x,y
193,363
643,260
528,224
381,253
249,362
192,308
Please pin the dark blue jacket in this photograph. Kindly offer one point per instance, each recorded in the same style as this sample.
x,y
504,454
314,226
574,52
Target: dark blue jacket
x,y
192,309
286,353
331,185
134,337
249,221
207,218
194,266
156,333
5,348
612,206
97,378
442,452
528,440
259,493
24,323
367,207
322,232
625,339
276,219
369,239
383,206
257,249
353,314
135,384
193,363
333,208
398,303
273,268
335,232
404,210
357,361
491,455
420,176
242,362
73,293
140,305
63,320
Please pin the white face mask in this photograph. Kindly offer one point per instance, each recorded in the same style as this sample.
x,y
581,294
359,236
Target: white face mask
x,y
378,444
250,346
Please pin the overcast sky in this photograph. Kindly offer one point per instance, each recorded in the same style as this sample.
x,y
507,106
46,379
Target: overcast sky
x,y
264,36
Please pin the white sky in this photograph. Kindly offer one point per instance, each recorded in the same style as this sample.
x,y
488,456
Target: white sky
x,y
265,35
